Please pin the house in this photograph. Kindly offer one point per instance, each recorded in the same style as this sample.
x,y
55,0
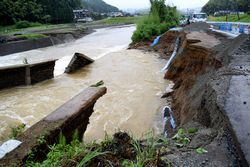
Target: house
x,y
82,15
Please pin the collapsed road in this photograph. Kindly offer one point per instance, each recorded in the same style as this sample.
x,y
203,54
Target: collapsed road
x,y
211,93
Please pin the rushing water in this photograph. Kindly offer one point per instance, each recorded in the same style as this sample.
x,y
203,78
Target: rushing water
x,y
132,77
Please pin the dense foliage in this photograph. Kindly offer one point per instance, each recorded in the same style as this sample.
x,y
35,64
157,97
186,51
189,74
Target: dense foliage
x,y
99,6
159,20
47,11
232,5
54,11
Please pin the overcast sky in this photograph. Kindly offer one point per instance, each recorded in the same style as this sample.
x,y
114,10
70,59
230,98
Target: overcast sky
x,y
138,4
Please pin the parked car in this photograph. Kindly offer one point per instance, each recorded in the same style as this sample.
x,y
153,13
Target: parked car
x,y
199,17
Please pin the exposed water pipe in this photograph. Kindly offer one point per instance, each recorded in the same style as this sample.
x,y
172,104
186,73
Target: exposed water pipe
x,y
168,118
156,41
173,55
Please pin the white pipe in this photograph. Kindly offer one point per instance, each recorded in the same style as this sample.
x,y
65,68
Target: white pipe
x,y
172,56
168,117
8,146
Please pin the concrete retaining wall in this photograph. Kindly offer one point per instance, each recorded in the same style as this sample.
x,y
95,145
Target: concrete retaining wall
x,y
24,45
12,76
72,115
26,74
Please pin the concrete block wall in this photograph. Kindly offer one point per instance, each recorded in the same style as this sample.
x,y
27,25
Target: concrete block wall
x,y
26,74
72,115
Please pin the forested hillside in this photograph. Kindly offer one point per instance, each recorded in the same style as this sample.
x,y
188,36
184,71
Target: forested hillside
x,y
54,11
99,6
232,5
47,11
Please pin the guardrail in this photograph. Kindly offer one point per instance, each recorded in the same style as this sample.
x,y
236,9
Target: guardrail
x,y
233,27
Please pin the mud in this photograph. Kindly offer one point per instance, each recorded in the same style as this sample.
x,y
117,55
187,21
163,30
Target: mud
x,y
166,46
206,70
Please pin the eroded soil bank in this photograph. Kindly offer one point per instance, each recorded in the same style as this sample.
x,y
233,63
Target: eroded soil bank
x,y
206,70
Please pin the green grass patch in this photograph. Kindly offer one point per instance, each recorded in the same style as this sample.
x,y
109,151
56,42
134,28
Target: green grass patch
x,y
121,20
231,18
15,131
121,150
32,36
10,30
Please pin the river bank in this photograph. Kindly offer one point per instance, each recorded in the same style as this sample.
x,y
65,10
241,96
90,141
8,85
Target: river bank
x,y
41,38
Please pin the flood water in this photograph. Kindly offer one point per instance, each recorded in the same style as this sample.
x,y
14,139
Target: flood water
x,y
133,79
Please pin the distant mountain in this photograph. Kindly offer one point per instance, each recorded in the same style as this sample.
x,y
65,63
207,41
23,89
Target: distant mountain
x,y
99,6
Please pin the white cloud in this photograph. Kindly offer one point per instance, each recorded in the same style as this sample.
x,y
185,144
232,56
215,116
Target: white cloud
x,y
181,4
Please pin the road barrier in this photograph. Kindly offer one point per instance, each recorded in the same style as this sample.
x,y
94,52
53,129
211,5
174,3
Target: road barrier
x,y
233,27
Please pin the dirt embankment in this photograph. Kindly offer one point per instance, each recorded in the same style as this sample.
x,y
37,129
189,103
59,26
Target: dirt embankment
x,y
166,46
201,74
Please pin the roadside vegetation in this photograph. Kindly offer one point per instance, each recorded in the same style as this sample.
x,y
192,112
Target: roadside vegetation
x,y
121,150
160,19
231,18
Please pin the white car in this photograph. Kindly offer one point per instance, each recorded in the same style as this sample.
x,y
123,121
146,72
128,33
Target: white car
x,y
199,17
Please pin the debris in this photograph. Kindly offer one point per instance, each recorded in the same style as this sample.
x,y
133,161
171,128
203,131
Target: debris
x,y
100,83
25,61
78,61
201,150
167,94
8,147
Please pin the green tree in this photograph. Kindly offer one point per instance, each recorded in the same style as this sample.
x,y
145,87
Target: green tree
x,y
159,20
6,9
232,5
54,11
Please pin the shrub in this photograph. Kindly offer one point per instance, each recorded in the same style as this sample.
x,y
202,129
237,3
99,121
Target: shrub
x,y
15,131
159,20
22,24
35,24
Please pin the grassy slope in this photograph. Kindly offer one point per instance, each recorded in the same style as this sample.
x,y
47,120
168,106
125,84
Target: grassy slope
x,y
10,30
32,36
121,20
231,18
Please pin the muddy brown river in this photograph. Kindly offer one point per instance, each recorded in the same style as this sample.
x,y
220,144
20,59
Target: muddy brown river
x,y
132,77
